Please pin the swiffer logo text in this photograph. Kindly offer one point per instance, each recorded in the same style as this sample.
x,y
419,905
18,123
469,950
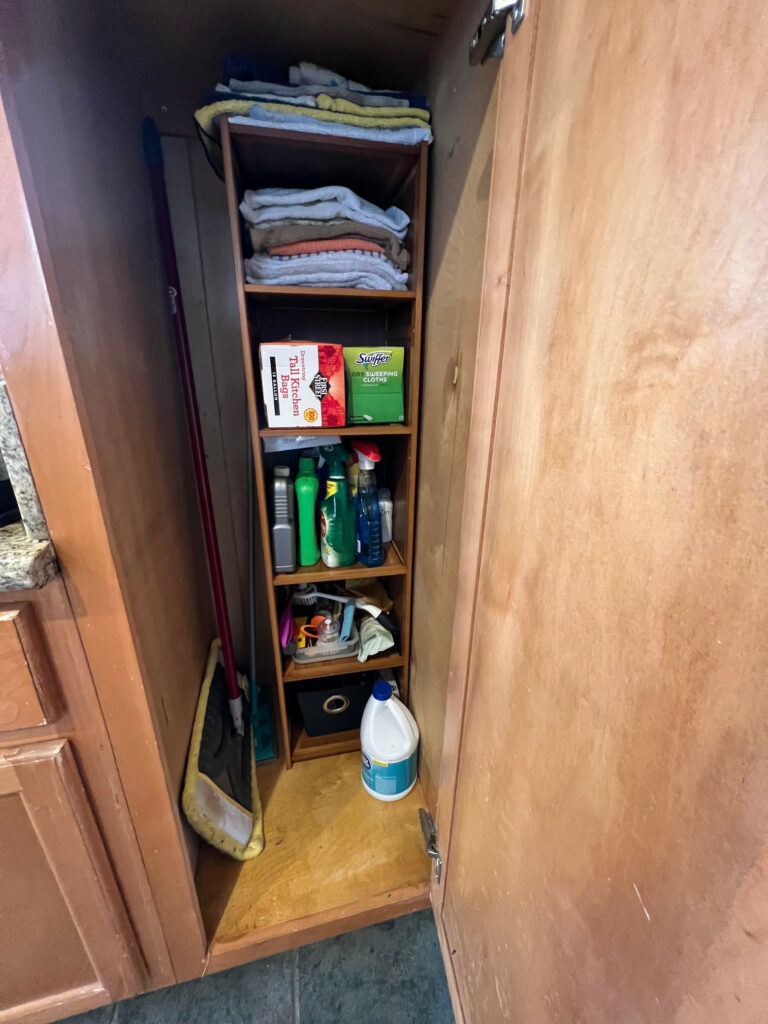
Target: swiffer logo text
x,y
373,358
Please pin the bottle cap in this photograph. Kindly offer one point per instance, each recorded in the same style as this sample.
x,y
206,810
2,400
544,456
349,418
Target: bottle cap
x,y
382,690
282,471
368,453
306,464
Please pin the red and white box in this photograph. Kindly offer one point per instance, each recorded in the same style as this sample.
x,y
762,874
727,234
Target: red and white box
x,y
303,384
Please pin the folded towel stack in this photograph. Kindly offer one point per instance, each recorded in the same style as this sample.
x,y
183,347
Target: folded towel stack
x,y
324,237
313,100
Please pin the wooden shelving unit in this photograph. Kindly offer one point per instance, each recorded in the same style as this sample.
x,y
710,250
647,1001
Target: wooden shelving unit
x,y
320,573
385,174
351,297
362,430
294,672
307,747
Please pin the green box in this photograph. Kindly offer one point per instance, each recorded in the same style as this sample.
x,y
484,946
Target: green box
x,y
374,385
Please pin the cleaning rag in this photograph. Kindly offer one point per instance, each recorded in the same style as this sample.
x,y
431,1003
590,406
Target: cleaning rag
x,y
380,114
346,269
300,229
306,73
364,118
330,202
306,94
325,245
260,117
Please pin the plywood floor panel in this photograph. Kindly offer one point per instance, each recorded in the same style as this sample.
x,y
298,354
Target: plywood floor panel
x,y
328,845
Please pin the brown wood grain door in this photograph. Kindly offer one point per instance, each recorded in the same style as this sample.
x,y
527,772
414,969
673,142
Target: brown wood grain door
x,y
65,942
607,739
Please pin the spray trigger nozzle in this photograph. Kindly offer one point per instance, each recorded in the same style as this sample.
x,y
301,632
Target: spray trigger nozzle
x,y
368,453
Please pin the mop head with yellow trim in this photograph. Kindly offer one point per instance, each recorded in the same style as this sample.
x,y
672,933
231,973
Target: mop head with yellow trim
x,y
221,799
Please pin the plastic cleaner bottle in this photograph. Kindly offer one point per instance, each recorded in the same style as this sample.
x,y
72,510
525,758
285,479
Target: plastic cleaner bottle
x,y
337,520
283,521
389,738
370,550
307,486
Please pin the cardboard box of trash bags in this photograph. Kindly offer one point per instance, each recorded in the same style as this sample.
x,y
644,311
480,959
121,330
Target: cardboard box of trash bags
x,y
307,384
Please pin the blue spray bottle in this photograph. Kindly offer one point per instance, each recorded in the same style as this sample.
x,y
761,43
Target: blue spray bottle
x,y
370,550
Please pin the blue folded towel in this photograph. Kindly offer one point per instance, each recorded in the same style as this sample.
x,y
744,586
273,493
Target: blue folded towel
x,y
263,118
330,202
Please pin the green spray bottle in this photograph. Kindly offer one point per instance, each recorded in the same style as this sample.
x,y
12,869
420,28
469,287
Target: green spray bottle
x,y
337,520
307,485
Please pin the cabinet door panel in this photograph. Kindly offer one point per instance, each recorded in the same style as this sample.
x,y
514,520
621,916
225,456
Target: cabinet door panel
x,y
607,857
64,940
28,693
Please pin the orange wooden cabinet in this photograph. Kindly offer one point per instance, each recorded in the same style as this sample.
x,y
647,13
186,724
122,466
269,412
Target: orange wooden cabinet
x,y
63,941
27,689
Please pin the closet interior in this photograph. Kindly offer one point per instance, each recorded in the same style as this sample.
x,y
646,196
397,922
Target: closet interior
x,y
574,455
333,857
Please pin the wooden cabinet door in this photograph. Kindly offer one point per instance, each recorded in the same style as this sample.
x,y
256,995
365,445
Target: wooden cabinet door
x,y
603,812
65,943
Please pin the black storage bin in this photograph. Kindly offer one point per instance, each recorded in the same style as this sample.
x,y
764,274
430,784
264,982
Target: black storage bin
x,y
337,709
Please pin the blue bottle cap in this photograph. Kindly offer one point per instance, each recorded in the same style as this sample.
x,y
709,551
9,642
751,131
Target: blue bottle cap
x,y
382,690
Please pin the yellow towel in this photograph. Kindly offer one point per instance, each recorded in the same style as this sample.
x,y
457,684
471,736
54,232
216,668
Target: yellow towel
x,y
205,116
356,119
341,106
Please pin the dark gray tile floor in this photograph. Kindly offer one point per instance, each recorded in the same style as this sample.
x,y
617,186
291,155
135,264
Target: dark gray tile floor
x,y
391,973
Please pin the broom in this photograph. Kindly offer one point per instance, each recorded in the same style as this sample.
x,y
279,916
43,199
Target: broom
x,y
154,156
220,797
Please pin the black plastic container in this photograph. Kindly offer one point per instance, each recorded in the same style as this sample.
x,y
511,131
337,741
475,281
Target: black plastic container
x,y
338,709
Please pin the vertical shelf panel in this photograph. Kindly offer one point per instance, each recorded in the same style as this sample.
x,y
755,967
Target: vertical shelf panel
x,y
253,419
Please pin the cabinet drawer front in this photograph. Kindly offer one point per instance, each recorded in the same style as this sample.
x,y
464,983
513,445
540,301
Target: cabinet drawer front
x,y
28,693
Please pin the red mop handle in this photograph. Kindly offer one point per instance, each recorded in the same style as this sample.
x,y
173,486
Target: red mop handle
x,y
154,156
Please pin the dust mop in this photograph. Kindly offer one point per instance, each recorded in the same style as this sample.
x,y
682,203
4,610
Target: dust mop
x,y
220,797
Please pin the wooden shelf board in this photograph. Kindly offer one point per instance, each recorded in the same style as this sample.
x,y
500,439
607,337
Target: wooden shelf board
x,y
311,140
272,156
294,673
343,297
393,566
328,846
306,747
361,430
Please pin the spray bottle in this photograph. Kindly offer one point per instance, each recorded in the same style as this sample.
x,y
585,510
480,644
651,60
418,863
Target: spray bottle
x,y
337,520
370,550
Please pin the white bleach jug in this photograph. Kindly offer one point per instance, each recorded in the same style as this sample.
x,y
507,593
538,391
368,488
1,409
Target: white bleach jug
x,y
389,738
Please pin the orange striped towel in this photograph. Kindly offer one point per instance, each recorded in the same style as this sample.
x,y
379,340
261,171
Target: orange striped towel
x,y
324,245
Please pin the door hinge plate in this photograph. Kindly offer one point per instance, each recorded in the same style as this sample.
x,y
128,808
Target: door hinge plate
x,y
429,832
490,38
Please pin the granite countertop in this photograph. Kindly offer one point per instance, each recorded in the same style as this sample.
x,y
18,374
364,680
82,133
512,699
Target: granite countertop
x,y
27,558
24,564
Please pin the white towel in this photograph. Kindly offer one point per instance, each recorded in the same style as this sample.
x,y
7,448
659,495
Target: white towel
x,y
264,118
301,93
338,269
307,73
330,202
267,96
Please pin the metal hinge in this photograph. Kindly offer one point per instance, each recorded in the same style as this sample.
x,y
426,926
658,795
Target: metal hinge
x,y
491,35
430,841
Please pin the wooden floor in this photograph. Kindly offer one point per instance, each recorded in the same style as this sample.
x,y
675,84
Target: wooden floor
x,y
334,859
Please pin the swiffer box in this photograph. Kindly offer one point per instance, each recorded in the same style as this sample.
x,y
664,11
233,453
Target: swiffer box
x,y
303,383
374,385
